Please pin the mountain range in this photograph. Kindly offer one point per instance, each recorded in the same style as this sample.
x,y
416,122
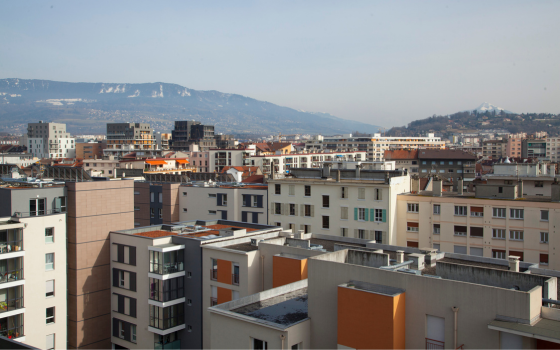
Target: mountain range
x,y
87,107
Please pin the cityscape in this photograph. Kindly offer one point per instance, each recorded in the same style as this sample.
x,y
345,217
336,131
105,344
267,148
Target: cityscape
x,y
159,216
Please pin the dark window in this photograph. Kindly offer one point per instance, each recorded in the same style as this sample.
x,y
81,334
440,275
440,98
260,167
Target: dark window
x,y
167,317
307,191
292,209
477,231
325,201
325,221
277,189
166,290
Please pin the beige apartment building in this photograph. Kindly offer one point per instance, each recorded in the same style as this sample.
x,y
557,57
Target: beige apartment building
x,y
494,149
340,202
496,222
389,297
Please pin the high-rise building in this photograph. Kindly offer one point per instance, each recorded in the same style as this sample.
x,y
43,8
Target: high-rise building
x,y
187,132
50,140
124,138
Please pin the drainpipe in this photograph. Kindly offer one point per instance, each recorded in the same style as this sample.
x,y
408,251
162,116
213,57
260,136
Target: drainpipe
x,y
455,311
283,337
262,272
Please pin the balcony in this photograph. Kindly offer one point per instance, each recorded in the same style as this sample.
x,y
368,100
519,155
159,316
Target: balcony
x,y
39,212
12,327
11,240
165,263
166,290
235,279
11,299
11,270
166,318
174,345
434,344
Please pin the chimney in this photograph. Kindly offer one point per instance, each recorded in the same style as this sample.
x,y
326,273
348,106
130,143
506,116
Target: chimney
x,y
513,263
460,185
437,186
400,256
520,189
358,171
415,184
555,191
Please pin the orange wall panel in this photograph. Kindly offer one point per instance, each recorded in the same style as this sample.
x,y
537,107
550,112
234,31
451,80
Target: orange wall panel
x,y
369,320
224,271
224,295
287,270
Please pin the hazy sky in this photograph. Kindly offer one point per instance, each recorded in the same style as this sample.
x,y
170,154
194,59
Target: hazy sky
x,y
381,62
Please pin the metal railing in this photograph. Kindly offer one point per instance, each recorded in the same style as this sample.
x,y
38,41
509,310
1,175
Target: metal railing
x,y
166,269
11,275
11,246
11,304
235,279
434,344
174,345
214,274
213,301
21,214
12,332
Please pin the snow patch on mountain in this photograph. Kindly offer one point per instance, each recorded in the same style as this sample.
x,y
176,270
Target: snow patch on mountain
x,y
488,107
136,94
184,92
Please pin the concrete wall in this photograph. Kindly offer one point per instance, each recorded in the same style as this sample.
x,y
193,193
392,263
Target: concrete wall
x,y
478,305
17,199
94,209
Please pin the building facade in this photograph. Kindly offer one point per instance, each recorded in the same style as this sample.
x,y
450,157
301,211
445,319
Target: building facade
x,y
90,150
124,138
155,203
542,149
50,140
494,149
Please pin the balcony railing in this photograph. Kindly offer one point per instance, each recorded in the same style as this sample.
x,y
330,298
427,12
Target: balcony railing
x,y
21,214
214,274
11,246
12,332
166,323
235,279
213,301
434,344
11,304
174,345
11,275
166,269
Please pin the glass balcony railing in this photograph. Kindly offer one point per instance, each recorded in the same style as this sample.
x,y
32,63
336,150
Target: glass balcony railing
x,y
12,327
174,345
11,240
11,270
166,263
167,317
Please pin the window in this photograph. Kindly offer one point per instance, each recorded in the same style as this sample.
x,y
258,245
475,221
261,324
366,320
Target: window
x,y
136,208
379,237
498,254
278,208
184,194
133,333
361,193
49,235
499,212
516,235
378,194
460,230
291,190
307,191
307,210
437,229
277,189
477,211
543,259
211,195
412,226
185,210
477,231
50,342
152,213
544,215
325,222
344,231
343,213
412,207
306,228
224,199
362,214
49,261
152,197
344,192
37,206
60,204
544,237
498,233
539,184
50,315
516,214
292,209
121,278
361,234
437,209
256,202
189,302
161,197
49,288
325,201
160,215
378,215
460,210
211,212
259,344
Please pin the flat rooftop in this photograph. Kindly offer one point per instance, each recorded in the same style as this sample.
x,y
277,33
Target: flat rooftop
x,y
467,195
285,309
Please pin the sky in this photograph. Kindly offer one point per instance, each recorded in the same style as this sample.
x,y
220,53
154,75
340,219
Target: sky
x,y
381,62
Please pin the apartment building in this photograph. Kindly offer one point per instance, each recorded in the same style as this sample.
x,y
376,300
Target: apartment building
x,y
220,158
50,140
513,147
404,159
244,203
535,148
552,148
371,296
157,294
90,150
124,138
495,221
162,140
33,261
341,202
187,133
450,164
536,178
282,163
155,203
494,149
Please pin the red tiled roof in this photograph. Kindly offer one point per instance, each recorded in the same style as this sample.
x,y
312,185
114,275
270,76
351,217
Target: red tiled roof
x,y
156,234
401,154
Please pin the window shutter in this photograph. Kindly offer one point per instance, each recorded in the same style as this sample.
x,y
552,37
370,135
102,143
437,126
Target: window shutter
x,y
371,215
384,238
379,194
259,201
384,215
366,214
115,327
115,277
219,199
126,328
132,255
120,254
312,210
302,227
132,281
246,200
244,216
255,218
50,341
132,307
120,303
295,209
355,213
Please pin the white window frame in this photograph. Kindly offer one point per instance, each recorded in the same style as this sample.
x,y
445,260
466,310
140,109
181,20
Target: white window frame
x,y
378,215
51,317
412,207
438,211
516,214
362,214
499,233
49,266
499,213
544,237
516,235
461,210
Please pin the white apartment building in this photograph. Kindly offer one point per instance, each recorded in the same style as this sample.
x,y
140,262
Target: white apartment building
x,y
553,148
246,203
537,178
339,202
284,162
33,307
50,140
219,158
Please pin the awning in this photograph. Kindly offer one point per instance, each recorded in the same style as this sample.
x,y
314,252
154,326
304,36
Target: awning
x,y
156,162
182,161
544,329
